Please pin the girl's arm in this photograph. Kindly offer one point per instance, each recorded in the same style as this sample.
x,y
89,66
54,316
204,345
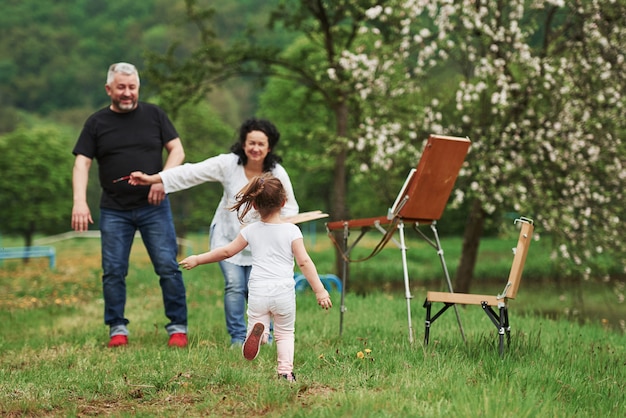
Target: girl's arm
x,y
307,267
218,254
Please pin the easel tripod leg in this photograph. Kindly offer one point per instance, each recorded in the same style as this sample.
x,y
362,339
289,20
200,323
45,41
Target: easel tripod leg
x,y
344,276
407,290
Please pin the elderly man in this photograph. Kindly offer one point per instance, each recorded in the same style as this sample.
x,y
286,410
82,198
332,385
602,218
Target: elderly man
x,y
127,136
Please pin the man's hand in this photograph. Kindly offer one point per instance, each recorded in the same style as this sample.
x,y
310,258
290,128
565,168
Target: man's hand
x,y
81,217
156,194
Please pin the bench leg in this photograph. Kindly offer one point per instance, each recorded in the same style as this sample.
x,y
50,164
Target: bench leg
x,y
504,312
428,306
501,336
499,321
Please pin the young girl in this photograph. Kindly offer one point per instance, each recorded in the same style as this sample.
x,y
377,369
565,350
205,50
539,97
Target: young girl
x,y
271,289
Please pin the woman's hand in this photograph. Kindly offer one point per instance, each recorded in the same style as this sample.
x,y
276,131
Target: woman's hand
x,y
138,178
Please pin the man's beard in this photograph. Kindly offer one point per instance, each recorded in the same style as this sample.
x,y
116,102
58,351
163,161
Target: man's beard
x,y
125,107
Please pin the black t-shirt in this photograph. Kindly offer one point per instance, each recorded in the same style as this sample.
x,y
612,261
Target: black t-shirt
x,y
122,143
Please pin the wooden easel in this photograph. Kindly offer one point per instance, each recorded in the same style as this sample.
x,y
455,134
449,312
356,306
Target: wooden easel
x,y
421,201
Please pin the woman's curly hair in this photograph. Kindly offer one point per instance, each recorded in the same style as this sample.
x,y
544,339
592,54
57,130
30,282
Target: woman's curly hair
x,y
273,136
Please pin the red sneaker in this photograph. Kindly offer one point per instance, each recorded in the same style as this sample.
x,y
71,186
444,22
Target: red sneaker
x,y
118,341
178,339
251,346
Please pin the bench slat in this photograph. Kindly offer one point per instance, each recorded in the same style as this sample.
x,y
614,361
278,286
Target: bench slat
x,y
29,252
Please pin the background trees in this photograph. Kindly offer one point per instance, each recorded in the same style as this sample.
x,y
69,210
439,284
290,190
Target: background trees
x,y
355,87
35,171
532,83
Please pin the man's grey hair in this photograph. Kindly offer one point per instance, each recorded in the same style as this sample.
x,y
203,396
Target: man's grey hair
x,y
121,67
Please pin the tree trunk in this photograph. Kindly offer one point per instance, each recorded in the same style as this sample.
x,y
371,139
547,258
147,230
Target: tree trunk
x,y
28,240
338,207
471,242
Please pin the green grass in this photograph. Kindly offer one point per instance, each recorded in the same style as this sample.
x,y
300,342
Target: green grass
x,y
54,360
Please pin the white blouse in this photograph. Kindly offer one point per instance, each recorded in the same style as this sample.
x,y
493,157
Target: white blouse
x,y
224,169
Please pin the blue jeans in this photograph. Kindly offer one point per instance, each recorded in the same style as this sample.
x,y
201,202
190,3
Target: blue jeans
x,y
156,226
235,297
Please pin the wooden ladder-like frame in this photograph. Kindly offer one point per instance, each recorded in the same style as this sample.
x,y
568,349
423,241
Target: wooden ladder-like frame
x,y
488,302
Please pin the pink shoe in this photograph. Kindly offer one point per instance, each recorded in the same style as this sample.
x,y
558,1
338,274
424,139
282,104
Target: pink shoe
x,y
251,346
178,339
118,341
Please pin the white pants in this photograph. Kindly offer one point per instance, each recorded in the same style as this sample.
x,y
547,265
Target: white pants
x,y
278,303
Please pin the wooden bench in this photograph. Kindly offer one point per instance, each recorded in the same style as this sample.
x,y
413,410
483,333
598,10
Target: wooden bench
x,y
488,302
29,252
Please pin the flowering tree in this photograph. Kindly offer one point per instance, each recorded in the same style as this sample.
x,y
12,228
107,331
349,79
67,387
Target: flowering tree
x,y
537,85
543,98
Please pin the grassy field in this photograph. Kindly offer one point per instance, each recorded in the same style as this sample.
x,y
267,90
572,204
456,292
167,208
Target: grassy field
x,y
54,360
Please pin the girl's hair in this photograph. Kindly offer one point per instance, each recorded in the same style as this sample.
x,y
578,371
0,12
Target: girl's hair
x,y
265,193
268,129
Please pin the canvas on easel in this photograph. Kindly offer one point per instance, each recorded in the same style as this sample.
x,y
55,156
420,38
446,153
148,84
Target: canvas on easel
x,y
426,195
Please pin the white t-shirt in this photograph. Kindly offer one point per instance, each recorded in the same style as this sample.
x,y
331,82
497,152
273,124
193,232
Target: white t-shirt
x,y
224,169
272,256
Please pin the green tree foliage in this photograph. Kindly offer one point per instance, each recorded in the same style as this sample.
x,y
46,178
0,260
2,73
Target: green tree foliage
x,y
537,86
304,133
181,76
203,135
50,52
542,147
333,101
35,183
